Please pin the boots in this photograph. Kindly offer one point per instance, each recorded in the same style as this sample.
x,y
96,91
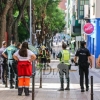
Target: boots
x,y
11,86
67,88
61,88
26,90
20,90
16,85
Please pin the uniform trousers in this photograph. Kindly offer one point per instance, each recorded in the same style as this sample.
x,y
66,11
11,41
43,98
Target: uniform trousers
x,y
12,68
84,71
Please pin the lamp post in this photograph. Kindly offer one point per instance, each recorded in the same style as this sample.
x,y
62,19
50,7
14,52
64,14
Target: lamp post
x,y
30,21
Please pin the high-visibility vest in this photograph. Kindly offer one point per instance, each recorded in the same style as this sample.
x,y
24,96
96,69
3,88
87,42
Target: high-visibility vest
x,y
43,53
65,57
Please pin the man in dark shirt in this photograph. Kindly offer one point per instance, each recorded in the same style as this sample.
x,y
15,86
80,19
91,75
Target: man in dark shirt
x,y
83,54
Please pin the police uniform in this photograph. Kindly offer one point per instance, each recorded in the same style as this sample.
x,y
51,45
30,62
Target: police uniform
x,y
83,54
64,69
9,51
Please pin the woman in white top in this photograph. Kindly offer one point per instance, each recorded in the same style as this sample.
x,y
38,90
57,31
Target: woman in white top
x,y
24,57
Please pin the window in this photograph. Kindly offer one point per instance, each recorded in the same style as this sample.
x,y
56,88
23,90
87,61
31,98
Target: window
x,y
81,13
81,2
86,2
81,7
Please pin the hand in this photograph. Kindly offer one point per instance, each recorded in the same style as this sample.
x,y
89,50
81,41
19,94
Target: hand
x,y
30,60
90,65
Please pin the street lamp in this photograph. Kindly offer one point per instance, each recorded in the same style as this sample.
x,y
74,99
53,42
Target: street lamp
x,y
30,21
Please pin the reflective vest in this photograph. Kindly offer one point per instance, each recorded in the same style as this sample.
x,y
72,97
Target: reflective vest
x,y
65,57
43,53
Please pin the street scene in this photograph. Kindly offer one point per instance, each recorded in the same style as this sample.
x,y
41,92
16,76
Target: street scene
x,y
49,50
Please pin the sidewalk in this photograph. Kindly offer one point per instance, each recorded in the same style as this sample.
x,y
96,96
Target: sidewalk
x,y
51,85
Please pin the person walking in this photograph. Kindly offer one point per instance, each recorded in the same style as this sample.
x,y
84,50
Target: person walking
x,y
8,54
83,54
54,53
3,62
24,57
63,67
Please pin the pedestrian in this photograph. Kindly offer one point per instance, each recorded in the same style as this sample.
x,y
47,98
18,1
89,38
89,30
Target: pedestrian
x,y
54,53
3,62
18,45
64,66
24,57
8,54
83,54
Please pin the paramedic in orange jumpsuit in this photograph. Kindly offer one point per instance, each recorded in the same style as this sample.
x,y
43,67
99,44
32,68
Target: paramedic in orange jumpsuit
x,y
24,57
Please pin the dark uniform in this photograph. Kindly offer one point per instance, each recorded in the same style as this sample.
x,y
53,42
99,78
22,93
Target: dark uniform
x,y
9,51
83,54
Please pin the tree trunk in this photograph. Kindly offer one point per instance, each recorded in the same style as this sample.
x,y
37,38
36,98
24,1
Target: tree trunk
x,y
10,20
3,21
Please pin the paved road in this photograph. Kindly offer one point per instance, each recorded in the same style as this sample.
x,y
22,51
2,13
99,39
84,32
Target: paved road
x,y
51,85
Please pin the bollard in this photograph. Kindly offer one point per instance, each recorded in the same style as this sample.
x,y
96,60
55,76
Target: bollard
x,y
6,84
91,87
33,86
40,78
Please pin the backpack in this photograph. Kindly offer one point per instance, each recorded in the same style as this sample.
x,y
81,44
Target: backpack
x,y
65,55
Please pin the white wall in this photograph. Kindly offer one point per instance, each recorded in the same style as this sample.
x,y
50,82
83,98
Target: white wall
x,y
97,8
94,11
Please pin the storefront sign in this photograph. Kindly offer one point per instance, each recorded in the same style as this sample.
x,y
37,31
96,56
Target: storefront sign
x,y
88,28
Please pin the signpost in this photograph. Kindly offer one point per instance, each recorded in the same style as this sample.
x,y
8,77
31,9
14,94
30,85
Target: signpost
x,y
88,28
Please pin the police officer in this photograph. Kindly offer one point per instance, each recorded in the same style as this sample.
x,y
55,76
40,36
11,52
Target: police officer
x,y
8,53
64,56
3,61
83,54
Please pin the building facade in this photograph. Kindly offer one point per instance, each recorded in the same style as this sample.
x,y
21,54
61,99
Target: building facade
x,y
94,39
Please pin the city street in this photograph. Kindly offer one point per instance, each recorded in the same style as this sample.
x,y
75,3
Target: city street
x,y
51,85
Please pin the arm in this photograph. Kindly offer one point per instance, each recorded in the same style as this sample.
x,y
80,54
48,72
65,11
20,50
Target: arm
x,y
15,57
76,55
4,54
33,57
91,61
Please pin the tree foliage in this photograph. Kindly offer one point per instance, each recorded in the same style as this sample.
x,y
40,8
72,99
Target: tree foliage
x,y
14,18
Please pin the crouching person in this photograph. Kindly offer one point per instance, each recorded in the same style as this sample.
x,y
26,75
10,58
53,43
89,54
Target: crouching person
x,y
24,57
63,67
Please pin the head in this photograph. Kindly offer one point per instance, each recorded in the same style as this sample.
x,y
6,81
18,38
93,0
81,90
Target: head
x,y
64,46
4,44
13,43
83,44
18,45
23,50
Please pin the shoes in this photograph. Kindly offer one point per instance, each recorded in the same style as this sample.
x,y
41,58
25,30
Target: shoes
x,y
11,87
82,90
19,94
87,89
67,88
61,89
27,94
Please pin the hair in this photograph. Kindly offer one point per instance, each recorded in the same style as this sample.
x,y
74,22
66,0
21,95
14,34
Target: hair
x,y
13,42
18,44
23,50
64,46
83,43
4,43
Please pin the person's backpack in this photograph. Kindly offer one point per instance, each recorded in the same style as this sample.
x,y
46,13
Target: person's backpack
x,y
65,55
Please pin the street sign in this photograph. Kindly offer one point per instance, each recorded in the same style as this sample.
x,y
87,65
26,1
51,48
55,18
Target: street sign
x,y
88,28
